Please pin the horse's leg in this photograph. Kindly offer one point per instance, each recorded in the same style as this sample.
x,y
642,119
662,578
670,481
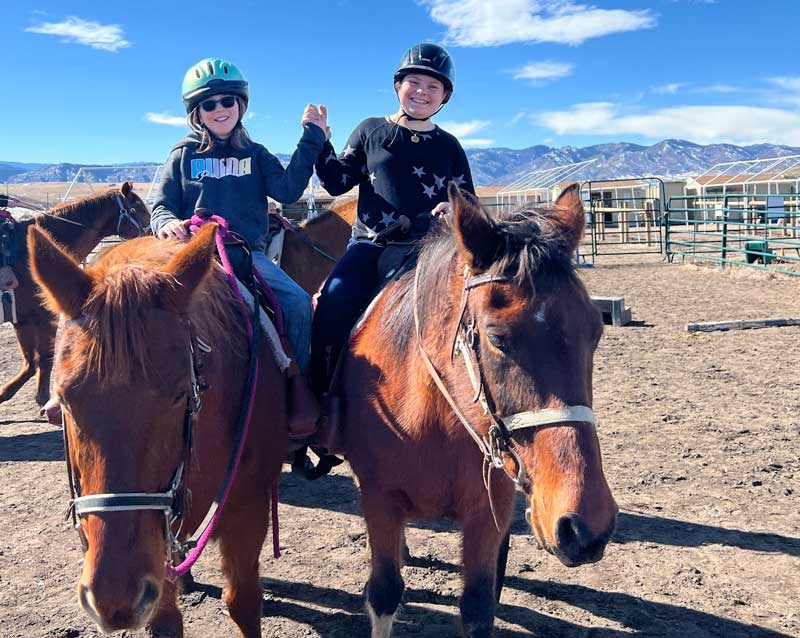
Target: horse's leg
x,y
45,346
481,546
240,547
502,559
385,585
26,337
167,622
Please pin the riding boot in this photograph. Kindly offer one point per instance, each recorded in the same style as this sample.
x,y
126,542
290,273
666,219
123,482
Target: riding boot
x,y
301,405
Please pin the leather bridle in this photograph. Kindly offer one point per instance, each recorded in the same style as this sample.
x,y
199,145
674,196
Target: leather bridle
x,y
498,442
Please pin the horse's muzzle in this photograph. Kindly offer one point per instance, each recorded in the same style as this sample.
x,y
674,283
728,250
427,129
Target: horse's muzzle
x,y
112,614
575,544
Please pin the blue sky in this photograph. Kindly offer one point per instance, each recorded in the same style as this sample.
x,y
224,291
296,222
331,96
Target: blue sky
x,y
93,82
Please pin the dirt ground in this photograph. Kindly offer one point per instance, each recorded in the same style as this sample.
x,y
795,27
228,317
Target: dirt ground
x,y
700,442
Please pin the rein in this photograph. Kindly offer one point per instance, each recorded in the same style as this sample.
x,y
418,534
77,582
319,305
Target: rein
x,y
498,441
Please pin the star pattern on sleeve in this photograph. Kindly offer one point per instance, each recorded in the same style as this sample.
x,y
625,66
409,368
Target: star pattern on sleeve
x,y
331,157
348,151
418,171
344,179
372,178
458,180
439,181
387,219
430,191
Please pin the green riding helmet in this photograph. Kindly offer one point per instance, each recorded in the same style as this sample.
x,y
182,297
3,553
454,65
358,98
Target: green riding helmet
x,y
213,76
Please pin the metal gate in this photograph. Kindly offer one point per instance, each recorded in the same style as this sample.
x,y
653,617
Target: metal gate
x,y
623,217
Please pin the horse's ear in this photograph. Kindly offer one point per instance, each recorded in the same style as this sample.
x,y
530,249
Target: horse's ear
x,y
569,217
127,187
65,285
191,264
476,236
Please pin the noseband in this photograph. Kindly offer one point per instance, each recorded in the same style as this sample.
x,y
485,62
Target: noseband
x,y
498,442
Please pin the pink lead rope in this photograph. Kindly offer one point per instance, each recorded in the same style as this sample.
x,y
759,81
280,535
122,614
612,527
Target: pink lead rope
x,y
173,573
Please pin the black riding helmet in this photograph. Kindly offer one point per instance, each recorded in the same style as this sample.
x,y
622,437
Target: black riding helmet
x,y
429,59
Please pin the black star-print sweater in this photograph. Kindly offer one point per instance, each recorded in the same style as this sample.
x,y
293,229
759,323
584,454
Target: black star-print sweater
x,y
395,175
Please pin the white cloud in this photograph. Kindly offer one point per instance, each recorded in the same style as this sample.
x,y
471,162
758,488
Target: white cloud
x,y
717,88
165,118
790,84
480,23
669,89
701,124
463,129
476,142
540,71
107,37
515,120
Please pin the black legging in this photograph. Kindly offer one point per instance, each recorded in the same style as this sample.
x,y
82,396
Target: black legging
x,y
345,295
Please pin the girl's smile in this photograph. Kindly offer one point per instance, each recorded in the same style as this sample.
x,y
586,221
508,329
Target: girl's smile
x,y
221,121
420,95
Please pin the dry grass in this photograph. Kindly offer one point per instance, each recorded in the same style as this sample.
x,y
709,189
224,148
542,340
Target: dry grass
x,y
47,194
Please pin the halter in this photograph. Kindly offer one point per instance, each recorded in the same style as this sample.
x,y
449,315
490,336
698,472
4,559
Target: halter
x,y
127,214
499,439
173,501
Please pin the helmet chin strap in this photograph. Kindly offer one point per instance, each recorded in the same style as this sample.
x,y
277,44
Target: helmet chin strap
x,y
411,118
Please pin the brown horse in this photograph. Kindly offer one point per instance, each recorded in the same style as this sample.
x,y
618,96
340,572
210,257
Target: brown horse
x,y
480,358
310,252
136,323
78,226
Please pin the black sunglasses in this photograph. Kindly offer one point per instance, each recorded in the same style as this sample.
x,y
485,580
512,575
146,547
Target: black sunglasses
x,y
209,105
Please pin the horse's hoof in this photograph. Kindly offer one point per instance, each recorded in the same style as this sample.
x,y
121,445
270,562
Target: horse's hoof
x,y
326,463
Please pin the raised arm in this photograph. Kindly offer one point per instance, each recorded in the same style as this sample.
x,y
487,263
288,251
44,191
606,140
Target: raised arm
x,y
339,174
287,185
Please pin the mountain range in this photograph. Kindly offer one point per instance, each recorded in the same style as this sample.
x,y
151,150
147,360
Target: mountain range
x,y
498,166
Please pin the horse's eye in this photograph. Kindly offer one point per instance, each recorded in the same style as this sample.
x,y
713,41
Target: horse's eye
x,y
498,341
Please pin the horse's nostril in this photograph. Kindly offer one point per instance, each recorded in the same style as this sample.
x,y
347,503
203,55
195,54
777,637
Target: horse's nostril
x,y
148,598
571,533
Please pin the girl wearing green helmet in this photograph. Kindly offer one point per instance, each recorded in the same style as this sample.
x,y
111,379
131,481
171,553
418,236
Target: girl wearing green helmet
x,y
220,169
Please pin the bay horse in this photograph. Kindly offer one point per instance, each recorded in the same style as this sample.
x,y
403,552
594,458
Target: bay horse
x,y
77,226
146,328
310,253
479,358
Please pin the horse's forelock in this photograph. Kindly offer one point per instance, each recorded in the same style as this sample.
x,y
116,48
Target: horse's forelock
x,y
127,286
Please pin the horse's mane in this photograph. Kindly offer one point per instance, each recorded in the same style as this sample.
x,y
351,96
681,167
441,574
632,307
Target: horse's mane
x,y
83,210
129,281
532,252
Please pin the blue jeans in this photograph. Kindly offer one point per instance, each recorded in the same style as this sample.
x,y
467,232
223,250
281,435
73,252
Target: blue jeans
x,y
295,303
345,295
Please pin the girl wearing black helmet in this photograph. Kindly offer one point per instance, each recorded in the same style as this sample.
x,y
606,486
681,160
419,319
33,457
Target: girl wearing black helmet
x,y
220,169
402,165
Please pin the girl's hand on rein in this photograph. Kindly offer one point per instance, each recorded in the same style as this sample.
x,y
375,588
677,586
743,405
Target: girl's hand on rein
x,y
442,209
176,229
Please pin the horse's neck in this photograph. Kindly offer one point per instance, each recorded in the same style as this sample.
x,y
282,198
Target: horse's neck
x,y
82,236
